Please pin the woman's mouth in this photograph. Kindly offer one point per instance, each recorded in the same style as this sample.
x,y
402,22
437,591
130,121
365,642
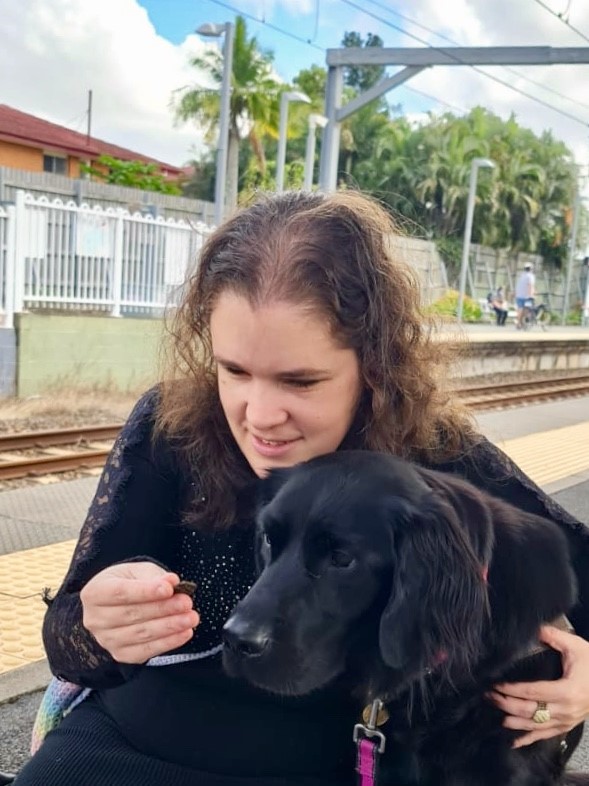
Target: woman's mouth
x,y
271,448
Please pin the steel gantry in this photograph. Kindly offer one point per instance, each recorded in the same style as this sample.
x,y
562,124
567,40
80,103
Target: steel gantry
x,y
414,60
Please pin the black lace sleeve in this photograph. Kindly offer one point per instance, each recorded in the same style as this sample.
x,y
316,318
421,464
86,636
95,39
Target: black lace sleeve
x,y
134,502
488,467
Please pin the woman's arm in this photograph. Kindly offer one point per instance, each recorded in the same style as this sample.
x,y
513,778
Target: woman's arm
x,y
567,699
490,468
135,500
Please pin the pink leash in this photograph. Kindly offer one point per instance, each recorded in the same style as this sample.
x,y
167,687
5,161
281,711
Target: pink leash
x,y
370,743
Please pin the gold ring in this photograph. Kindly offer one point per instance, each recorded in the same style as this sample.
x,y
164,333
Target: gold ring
x,y
542,713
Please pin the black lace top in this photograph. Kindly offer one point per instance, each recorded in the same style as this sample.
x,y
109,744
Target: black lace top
x,y
137,513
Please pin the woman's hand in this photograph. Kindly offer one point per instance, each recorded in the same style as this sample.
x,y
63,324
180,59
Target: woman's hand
x,y
567,699
132,611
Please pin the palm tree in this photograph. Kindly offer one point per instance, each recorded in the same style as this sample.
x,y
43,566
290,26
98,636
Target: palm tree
x,y
254,103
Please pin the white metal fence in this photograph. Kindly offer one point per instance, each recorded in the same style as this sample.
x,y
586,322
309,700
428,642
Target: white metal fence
x,y
3,254
58,255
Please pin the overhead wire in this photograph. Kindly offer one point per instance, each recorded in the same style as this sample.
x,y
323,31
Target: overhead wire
x,y
457,59
314,36
388,23
320,48
267,24
455,43
564,21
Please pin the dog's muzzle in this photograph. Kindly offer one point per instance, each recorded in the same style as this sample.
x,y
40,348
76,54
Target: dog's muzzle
x,y
245,639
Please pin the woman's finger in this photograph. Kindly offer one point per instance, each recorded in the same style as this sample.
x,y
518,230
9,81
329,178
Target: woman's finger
x,y
543,690
527,724
119,616
141,653
534,736
141,641
521,708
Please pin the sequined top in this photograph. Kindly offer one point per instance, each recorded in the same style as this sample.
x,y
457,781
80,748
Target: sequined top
x,y
137,514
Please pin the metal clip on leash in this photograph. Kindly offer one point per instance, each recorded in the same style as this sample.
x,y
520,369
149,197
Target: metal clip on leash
x,y
370,743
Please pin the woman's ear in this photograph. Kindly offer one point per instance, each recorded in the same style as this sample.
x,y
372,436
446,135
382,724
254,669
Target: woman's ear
x,y
438,603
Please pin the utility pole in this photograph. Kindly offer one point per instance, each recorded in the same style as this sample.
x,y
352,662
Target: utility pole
x,y
89,126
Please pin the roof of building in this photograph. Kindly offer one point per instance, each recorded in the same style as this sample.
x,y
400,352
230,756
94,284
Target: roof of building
x,y
25,129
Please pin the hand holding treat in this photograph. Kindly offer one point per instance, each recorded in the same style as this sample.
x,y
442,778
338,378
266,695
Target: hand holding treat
x,y
137,610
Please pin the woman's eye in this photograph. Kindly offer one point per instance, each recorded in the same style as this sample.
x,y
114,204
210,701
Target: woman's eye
x,y
341,559
302,383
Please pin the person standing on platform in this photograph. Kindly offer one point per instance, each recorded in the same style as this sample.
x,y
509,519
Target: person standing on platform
x,y
525,289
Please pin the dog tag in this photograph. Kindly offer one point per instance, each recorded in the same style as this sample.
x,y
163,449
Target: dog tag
x,y
381,717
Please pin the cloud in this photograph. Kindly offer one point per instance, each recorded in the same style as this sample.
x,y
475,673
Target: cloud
x,y
505,23
53,53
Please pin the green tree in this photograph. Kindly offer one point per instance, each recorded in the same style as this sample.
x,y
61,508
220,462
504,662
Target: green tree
x,y
133,174
201,183
423,172
360,132
253,104
360,78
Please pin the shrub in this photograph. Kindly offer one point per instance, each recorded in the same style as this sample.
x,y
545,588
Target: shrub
x,y
447,306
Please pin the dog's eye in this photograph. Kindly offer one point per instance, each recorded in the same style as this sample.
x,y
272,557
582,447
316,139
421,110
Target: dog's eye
x,y
265,546
341,559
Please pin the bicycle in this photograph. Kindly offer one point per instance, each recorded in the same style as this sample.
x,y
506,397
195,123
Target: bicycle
x,y
533,314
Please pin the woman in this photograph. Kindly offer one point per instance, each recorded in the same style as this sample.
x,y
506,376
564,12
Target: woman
x,y
499,306
299,334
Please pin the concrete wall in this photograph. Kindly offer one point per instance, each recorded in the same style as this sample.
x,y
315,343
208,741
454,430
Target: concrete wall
x,y
85,351
510,357
7,361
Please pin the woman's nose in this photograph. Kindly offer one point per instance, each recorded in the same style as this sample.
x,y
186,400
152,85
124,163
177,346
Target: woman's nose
x,y
265,407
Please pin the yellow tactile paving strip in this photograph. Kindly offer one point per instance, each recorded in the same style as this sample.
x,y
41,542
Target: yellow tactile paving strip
x,y
546,457
23,575
551,455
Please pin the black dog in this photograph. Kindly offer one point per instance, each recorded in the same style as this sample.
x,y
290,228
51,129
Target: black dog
x,y
424,592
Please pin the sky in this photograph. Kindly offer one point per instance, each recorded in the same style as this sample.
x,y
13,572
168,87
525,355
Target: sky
x,y
133,55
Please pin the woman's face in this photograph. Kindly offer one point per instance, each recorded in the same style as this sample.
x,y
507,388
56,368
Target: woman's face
x,y
288,389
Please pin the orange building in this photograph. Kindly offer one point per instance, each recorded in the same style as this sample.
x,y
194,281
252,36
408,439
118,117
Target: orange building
x,y
35,145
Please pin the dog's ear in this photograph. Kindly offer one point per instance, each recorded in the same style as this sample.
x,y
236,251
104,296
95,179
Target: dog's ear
x,y
438,602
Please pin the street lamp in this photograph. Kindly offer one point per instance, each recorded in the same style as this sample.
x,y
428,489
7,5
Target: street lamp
x,y
214,31
474,168
582,195
293,95
314,121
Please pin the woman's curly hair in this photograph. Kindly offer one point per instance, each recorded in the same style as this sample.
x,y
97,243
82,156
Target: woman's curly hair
x,y
334,253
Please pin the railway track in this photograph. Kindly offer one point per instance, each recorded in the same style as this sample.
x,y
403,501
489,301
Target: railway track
x,y
508,394
36,454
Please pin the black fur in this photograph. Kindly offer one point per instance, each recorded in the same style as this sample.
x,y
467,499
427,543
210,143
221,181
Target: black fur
x,y
417,588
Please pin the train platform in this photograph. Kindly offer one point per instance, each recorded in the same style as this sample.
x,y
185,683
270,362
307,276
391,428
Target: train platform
x,y
489,349
481,332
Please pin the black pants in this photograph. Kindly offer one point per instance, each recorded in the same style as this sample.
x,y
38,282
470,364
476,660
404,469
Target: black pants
x,y
87,749
501,315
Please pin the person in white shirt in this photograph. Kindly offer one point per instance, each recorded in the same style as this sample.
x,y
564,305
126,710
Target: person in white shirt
x,y
524,290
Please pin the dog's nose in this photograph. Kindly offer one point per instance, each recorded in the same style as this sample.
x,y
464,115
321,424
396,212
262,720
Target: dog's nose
x,y
245,639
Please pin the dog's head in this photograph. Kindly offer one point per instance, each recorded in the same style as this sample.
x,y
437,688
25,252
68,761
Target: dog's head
x,y
359,560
